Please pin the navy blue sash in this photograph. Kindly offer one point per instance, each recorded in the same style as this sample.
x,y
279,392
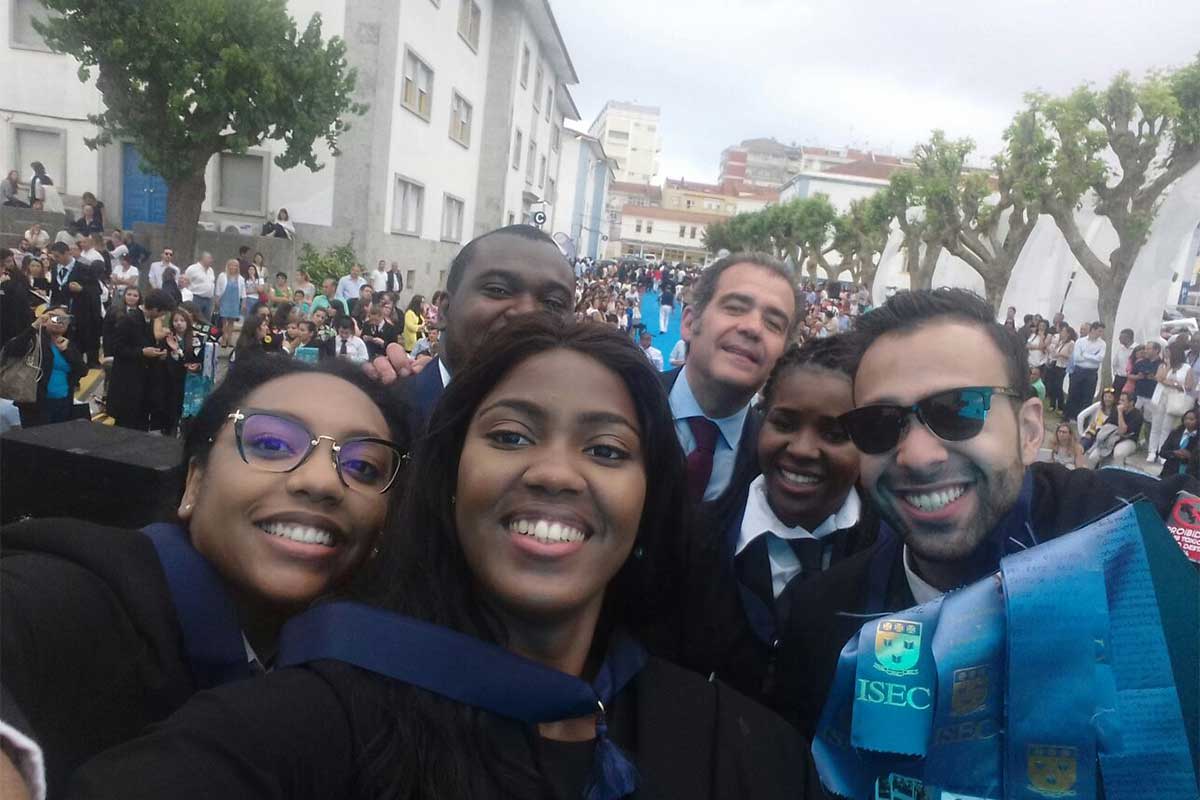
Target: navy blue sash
x,y
760,616
212,636
471,671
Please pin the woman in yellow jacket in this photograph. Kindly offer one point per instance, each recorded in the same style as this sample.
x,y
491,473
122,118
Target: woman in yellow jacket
x,y
413,322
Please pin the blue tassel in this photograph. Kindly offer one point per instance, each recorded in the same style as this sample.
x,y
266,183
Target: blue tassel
x,y
613,774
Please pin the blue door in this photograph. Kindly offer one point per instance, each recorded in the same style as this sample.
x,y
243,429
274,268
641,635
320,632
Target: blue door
x,y
144,194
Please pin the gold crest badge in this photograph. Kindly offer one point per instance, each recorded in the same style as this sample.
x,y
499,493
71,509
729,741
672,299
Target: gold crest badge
x,y
898,647
1052,770
970,691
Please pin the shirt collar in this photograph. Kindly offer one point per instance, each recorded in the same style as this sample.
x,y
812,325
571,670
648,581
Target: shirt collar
x,y
684,405
922,592
444,372
759,518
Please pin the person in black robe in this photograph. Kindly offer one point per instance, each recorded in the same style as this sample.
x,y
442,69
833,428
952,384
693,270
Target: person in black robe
x,y
98,631
802,516
1181,450
134,349
16,309
551,489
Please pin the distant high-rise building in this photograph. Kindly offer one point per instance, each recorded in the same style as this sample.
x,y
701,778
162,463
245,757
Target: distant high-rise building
x,y
631,136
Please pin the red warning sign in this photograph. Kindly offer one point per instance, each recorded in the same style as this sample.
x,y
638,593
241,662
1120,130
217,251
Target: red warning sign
x,y
1184,525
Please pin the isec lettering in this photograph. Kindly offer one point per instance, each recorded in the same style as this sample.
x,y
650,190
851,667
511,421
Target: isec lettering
x,y
893,694
966,732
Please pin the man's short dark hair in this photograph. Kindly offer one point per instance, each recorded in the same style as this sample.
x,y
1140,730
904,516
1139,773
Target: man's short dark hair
x,y
458,266
345,322
60,248
1028,318
706,286
1098,324
281,275
908,311
159,300
1127,332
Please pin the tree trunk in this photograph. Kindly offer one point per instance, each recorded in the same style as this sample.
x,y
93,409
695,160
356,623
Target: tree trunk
x,y
184,199
1108,301
993,290
922,278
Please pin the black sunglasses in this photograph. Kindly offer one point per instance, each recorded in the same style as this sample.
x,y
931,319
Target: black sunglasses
x,y
954,415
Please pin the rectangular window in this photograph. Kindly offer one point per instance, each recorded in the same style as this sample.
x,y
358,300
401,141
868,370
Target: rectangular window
x,y
555,138
452,219
551,190
408,206
441,279
637,226
517,145
460,120
693,236
619,136
469,17
549,102
241,182
542,172
410,278
46,145
524,66
23,36
512,218
537,87
691,203
417,90
649,226
682,231
530,162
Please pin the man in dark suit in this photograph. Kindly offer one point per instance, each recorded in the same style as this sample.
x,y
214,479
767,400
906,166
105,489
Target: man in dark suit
x,y
509,271
950,447
61,290
395,280
743,311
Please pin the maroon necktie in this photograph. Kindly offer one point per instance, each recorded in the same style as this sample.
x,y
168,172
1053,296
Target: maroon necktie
x,y
700,460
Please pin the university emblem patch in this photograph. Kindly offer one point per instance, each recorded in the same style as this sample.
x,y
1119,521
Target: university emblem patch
x,y
970,691
1052,770
898,647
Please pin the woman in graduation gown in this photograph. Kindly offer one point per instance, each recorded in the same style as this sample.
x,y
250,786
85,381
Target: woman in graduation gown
x,y
538,537
105,630
753,585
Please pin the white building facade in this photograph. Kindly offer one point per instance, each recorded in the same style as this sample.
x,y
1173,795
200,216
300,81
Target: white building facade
x,y
840,189
631,135
585,175
451,87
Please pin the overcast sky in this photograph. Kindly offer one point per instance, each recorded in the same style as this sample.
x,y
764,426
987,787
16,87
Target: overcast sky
x,y
867,73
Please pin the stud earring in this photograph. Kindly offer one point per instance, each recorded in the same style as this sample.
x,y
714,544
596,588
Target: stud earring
x,y
638,552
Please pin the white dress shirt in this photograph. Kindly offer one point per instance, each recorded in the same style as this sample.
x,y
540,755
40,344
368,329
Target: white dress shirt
x,y
155,275
655,356
1089,354
379,281
759,519
1120,358
356,349
200,280
922,592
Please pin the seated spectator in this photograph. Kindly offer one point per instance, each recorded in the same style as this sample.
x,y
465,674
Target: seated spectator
x,y
89,199
301,304
10,190
1181,450
360,305
1090,420
429,344
256,337
302,284
1117,438
377,332
1067,450
347,345
280,293
280,226
89,222
1035,381
37,237
329,300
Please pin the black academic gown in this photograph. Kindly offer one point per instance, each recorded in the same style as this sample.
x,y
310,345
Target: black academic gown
x,y
302,733
873,581
130,369
727,630
1172,465
89,640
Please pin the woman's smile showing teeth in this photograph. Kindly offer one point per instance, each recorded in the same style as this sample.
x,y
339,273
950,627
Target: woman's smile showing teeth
x,y
546,531
798,478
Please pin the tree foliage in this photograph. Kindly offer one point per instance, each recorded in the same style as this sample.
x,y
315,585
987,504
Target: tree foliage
x,y
1119,148
186,79
860,236
800,229
333,263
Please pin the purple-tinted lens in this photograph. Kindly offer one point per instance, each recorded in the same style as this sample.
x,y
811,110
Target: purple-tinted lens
x,y
273,443
371,465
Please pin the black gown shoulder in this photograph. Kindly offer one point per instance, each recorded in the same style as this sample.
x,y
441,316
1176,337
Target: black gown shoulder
x,y
90,645
305,732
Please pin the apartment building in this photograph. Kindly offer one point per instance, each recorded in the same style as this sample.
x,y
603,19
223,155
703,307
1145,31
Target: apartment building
x,y
463,134
632,137
665,233
585,175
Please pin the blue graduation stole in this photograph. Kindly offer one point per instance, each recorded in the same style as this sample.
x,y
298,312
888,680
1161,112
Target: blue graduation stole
x,y
468,670
212,636
1038,674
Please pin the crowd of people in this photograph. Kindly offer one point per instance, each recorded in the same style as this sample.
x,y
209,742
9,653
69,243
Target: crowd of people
x,y
534,560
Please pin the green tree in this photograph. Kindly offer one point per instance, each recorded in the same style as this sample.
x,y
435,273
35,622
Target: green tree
x,y
860,236
333,263
1119,148
184,80
923,237
987,235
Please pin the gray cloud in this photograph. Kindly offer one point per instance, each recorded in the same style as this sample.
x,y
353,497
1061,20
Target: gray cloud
x,y
860,72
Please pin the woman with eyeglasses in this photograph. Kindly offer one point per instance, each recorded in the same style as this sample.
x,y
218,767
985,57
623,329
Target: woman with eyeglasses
x,y
540,541
291,470
61,368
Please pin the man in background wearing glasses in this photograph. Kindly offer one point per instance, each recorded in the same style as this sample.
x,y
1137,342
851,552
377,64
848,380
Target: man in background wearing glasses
x,y
949,431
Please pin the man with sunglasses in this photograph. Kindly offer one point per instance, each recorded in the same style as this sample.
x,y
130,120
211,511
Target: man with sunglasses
x,y
155,277
950,460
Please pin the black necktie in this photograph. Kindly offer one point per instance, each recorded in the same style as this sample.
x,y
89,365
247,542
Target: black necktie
x,y
344,346
62,275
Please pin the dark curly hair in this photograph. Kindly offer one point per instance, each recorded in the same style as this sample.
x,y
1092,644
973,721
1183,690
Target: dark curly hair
x,y
834,353
439,748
